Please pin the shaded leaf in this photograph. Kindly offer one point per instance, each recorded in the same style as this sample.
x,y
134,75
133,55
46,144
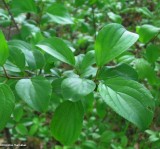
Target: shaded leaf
x,y
147,32
20,6
4,52
36,92
75,88
7,103
58,13
122,70
67,122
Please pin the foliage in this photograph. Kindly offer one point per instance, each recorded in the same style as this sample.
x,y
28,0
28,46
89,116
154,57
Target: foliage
x,y
80,74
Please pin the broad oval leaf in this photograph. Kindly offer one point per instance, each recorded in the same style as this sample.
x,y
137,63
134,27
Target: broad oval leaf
x,y
114,17
17,57
23,6
111,41
36,92
67,122
88,60
18,113
83,62
152,53
147,32
122,70
58,13
34,58
21,129
57,48
75,88
145,11
7,103
145,70
129,99
4,51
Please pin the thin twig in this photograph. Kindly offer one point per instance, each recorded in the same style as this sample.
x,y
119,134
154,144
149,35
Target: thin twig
x,y
11,77
15,77
12,18
9,32
94,21
40,72
5,72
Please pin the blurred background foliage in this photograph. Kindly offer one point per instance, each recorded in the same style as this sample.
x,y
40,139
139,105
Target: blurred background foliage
x,y
78,22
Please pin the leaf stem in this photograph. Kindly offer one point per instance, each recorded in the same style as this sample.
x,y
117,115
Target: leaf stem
x,y
99,68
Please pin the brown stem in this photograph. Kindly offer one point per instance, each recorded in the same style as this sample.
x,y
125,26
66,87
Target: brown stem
x,y
94,21
40,71
9,32
8,137
12,18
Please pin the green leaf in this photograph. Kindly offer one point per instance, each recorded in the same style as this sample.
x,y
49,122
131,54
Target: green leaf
x,y
5,19
114,17
88,60
122,70
112,40
36,92
39,59
67,122
56,86
84,62
152,53
10,67
145,11
79,3
21,129
145,70
78,63
17,57
75,88
34,58
30,31
129,99
7,103
89,72
100,108
57,48
107,136
89,144
147,32
58,13
126,57
4,52
18,113
88,102
33,129
19,6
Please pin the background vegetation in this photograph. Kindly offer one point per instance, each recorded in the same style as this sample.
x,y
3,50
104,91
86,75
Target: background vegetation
x,y
49,86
